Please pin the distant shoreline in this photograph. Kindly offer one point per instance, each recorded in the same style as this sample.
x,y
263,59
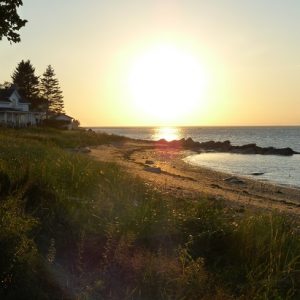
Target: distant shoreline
x,y
248,150
263,136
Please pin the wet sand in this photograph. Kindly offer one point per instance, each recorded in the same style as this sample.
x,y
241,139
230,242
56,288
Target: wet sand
x,y
183,180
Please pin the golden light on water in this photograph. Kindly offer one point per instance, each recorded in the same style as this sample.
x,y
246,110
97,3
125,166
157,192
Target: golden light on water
x,y
167,84
167,133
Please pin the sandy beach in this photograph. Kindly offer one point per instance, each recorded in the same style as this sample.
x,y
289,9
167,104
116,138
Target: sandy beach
x,y
163,169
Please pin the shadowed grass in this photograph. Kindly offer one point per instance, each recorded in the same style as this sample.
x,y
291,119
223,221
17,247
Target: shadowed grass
x,y
74,228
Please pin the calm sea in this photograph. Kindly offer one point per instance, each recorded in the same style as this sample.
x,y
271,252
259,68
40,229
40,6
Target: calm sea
x,y
277,169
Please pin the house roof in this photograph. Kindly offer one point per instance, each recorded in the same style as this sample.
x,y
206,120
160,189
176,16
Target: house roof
x,y
7,92
62,117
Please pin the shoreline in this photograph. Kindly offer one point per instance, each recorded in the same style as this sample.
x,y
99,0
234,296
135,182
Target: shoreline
x,y
168,173
257,176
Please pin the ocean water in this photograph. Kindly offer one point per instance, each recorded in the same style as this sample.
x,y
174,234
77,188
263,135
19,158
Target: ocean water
x,y
276,169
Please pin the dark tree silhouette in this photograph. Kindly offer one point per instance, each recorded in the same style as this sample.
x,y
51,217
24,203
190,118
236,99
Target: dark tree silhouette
x,y
5,85
10,21
76,123
51,92
28,83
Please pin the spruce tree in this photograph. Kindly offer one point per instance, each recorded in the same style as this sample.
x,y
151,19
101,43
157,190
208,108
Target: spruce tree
x,y
51,92
28,83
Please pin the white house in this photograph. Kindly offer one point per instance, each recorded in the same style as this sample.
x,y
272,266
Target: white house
x,y
14,110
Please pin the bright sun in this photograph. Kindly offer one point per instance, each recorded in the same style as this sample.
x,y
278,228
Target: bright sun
x,y
167,83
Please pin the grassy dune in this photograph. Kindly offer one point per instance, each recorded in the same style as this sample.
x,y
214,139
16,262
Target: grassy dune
x,y
73,228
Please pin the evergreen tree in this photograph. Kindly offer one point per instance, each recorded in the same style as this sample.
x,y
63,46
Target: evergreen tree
x,y
28,83
51,92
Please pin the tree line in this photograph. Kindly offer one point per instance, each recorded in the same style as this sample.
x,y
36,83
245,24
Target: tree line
x,y
43,92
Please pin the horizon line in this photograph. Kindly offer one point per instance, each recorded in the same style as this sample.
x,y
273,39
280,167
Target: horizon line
x,y
148,126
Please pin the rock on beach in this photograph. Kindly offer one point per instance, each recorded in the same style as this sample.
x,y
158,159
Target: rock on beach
x,y
234,180
152,169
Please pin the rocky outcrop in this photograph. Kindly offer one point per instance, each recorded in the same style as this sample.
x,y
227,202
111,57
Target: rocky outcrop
x,y
226,146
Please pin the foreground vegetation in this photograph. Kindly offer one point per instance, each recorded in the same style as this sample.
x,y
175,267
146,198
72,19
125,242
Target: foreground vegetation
x,y
73,228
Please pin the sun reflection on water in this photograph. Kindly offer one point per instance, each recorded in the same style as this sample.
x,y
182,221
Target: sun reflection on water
x,y
167,133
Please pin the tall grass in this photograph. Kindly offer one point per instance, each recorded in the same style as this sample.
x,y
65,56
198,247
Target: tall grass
x,y
74,228
268,251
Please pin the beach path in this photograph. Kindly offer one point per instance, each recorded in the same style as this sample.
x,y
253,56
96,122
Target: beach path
x,y
163,169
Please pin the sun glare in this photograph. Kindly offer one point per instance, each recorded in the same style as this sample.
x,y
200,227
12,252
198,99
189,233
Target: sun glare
x,y
167,133
167,84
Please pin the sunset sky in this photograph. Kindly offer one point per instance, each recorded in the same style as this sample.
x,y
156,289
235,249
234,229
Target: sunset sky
x,y
145,63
